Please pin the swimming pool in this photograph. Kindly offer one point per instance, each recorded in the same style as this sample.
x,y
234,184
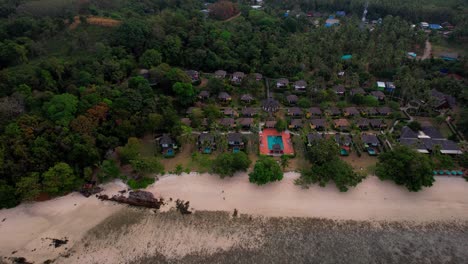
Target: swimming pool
x,y
272,140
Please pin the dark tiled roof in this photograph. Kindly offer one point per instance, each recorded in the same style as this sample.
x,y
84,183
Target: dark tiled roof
x,y
300,83
282,81
249,111
292,98
320,122
357,91
238,74
220,73
227,121
270,105
412,143
376,122
296,122
311,137
378,94
339,89
363,122
407,132
341,122
432,132
270,124
370,139
246,97
343,139
246,121
204,94
351,111
295,111
384,110
236,137
223,95
206,137
166,139
315,111
333,111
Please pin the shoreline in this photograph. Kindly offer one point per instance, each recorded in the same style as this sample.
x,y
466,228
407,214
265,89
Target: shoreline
x,y
28,228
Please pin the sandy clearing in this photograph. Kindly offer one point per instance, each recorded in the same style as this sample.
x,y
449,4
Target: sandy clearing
x,y
370,200
27,227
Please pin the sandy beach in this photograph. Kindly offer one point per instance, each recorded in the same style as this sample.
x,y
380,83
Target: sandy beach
x,y
105,232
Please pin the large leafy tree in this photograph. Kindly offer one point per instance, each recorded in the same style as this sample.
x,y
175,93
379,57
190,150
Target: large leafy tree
x,y
184,92
322,151
28,188
59,179
266,170
227,164
336,170
150,58
62,108
407,167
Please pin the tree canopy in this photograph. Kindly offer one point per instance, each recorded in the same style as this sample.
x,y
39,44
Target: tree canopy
x,y
227,164
406,167
266,170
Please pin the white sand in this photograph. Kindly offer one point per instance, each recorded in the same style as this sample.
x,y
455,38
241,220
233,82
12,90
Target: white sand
x,y
27,226
370,200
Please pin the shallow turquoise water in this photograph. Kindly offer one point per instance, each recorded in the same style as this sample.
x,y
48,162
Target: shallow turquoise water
x,y
272,140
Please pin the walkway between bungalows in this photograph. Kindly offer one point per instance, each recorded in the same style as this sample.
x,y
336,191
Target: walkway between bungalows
x,y
427,51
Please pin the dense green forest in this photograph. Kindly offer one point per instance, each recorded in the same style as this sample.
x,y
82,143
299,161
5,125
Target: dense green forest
x,y
70,95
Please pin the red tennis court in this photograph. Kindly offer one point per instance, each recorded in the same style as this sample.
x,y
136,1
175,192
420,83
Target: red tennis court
x,y
275,143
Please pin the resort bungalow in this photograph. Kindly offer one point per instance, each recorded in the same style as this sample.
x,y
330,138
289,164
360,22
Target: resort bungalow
x,y
228,111
204,95
220,74
344,141
235,142
295,111
168,145
258,76
292,99
333,112
379,95
381,86
227,122
313,138
377,124
390,87
318,124
356,91
369,111
237,77
186,121
296,124
363,124
247,98
314,111
442,101
194,75
371,143
270,124
300,86
339,90
384,111
246,123
341,124
249,112
350,111
425,141
270,105
370,140
224,97
206,143
282,83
